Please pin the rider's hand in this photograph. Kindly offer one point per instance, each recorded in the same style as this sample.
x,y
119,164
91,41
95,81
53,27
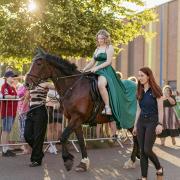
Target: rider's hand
x,y
134,132
159,129
94,69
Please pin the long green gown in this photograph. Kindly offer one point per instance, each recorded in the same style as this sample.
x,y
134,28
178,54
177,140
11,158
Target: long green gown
x,y
122,95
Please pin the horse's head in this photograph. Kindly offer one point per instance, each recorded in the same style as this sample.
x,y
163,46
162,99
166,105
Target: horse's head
x,y
39,72
46,66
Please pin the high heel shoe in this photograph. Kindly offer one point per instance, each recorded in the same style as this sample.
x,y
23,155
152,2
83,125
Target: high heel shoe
x,y
107,111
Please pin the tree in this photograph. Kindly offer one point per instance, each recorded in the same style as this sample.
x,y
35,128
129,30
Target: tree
x,y
66,27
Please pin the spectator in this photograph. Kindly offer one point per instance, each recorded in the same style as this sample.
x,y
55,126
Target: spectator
x,y
177,107
17,82
9,68
54,128
23,108
133,78
1,96
8,111
170,121
36,122
119,74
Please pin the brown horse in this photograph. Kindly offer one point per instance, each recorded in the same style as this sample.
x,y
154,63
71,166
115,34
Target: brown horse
x,y
78,104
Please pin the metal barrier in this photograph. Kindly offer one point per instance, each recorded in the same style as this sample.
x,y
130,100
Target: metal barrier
x,y
89,132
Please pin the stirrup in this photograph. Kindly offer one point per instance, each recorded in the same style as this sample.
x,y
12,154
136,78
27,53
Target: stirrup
x,y
107,110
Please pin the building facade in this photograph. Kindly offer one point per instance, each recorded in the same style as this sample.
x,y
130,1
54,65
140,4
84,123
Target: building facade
x,y
162,53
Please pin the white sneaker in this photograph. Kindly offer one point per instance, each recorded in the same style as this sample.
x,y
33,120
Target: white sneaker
x,y
54,149
51,150
107,110
129,164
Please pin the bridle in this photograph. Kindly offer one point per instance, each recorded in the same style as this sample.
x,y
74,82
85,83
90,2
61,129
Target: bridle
x,y
34,84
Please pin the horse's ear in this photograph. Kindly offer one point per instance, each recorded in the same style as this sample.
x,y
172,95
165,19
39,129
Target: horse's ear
x,y
39,54
39,50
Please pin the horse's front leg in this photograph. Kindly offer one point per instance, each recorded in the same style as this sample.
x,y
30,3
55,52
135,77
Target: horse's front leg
x,y
84,164
68,157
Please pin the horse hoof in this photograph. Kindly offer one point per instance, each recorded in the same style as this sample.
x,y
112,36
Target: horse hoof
x,y
81,167
129,164
68,164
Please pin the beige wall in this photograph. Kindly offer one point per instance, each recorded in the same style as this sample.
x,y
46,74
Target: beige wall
x,y
148,53
172,40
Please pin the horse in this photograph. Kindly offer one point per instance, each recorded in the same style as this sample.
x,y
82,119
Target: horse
x,y
75,90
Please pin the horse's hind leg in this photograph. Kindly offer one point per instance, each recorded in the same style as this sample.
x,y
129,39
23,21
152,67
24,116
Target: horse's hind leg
x,y
84,164
68,157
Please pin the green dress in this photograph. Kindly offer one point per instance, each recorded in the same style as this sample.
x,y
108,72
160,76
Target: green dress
x,y
122,95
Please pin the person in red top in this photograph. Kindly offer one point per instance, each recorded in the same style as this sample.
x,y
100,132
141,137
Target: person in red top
x,y
8,111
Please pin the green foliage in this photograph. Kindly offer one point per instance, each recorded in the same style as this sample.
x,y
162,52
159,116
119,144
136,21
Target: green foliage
x,y
66,27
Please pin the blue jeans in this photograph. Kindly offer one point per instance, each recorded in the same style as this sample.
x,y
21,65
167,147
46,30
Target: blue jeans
x,y
7,123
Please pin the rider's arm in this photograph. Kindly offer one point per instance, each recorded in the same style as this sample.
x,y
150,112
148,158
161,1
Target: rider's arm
x,y
89,65
137,114
110,53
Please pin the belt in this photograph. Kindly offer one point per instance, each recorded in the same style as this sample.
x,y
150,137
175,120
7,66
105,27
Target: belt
x,y
148,115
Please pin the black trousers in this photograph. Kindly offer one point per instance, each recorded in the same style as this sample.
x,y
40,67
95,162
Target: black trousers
x,y
146,137
35,130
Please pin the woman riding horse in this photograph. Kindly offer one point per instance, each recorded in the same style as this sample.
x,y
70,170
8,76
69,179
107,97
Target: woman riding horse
x,y
115,94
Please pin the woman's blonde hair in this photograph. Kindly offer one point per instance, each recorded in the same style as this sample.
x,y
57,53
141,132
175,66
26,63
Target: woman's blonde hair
x,y
106,35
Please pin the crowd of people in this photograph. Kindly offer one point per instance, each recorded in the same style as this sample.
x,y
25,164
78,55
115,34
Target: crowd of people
x,y
18,103
38,110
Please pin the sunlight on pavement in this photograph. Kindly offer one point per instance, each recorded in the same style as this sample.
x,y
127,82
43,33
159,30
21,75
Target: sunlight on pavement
x,y
46,174
167,157
62,174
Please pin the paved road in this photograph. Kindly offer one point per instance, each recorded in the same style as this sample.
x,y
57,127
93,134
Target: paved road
x,y
106,164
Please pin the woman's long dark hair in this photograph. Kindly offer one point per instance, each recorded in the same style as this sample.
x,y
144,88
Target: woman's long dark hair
x,y
156,90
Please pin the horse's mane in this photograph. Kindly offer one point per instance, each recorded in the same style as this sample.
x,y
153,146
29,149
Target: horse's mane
x,y
64,65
